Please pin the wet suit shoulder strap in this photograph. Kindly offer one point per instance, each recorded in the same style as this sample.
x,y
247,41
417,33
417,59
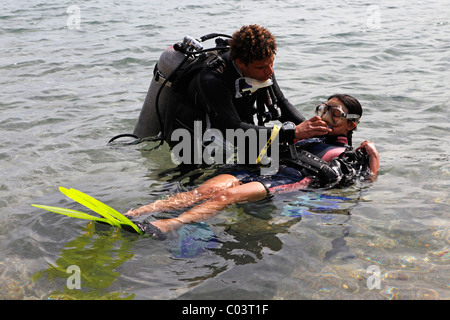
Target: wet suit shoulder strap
x,y
313,165
207,60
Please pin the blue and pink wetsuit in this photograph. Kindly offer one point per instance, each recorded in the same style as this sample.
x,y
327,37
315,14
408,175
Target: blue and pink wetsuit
x,y
288,178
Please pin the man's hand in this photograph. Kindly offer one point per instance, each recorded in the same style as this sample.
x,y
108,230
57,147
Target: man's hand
x,y
311,128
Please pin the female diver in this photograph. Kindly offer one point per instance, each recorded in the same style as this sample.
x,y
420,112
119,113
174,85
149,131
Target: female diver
x,y
341,113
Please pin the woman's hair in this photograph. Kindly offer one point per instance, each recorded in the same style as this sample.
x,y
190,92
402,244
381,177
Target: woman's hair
x,y
252,43
353,106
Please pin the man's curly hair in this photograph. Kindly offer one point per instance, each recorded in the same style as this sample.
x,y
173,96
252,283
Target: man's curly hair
x,y
252,43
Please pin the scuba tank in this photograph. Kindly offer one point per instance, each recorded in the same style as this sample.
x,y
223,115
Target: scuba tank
x,y
151,117
173,63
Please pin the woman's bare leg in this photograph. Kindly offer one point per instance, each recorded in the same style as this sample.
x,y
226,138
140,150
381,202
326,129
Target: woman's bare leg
x,y
181,200
252,191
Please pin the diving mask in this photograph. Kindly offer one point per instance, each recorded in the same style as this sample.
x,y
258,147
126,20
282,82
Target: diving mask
x,y
334,114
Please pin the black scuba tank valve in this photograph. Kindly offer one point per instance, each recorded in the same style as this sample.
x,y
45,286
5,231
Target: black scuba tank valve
x,y
213,35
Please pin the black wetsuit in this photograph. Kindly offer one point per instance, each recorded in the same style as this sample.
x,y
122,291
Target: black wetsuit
x,y
210,96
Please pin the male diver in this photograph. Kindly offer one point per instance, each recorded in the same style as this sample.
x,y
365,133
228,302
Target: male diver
x,y
229,92
321,162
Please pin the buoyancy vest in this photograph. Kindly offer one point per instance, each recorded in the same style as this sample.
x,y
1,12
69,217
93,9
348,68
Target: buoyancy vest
x,y
329,161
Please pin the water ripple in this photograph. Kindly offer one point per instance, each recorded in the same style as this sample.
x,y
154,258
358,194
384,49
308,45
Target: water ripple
x,y
66,92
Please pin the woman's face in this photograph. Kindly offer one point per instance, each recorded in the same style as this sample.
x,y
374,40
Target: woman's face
x,y
340,126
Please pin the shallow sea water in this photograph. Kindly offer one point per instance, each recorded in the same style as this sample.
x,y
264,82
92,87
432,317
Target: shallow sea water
x,y
67,91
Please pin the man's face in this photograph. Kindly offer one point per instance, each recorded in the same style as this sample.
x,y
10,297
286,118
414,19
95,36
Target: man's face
x,y
260,70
